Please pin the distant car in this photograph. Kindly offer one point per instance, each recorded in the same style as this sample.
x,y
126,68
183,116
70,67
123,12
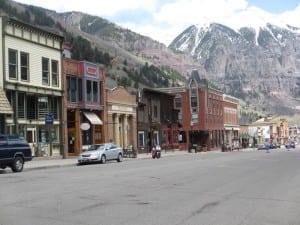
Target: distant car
x,y
101,153
293,145
274,145
261,147
14,152
290,144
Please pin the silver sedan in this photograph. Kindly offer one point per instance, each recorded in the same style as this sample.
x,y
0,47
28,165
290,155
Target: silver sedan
x,y
101,153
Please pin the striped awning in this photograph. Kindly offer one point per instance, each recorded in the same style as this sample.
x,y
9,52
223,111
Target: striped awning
x,y
93,118
5,107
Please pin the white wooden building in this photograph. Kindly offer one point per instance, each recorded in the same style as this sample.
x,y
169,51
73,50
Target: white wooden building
x,y
31,77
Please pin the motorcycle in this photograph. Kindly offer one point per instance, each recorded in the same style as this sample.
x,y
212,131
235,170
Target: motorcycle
x,y
156,152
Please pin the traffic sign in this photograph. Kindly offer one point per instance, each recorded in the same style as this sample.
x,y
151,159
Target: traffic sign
x,y
49,119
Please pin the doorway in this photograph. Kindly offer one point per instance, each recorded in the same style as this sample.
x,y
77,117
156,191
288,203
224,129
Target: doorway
x,y
72,150
31,139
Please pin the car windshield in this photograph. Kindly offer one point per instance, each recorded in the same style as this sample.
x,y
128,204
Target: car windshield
x,y
94,147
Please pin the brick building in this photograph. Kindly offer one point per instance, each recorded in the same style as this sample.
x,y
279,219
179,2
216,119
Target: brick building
x,y
200,117
157,120
84,104
231,121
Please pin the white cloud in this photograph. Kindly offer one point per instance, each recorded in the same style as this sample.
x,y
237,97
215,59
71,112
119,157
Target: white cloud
x,y
170,18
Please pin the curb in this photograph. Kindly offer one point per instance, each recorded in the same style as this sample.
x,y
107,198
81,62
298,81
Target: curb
x,y
59,162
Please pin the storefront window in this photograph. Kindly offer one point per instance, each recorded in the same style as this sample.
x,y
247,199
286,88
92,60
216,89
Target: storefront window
x,y
141,138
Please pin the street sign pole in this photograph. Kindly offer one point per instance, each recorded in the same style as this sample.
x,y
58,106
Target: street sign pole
x,y
49,123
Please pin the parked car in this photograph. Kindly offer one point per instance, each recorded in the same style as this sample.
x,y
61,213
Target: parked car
x,y
14,152
101,153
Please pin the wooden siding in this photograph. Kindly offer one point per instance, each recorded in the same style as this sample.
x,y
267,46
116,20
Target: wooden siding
x,y
39,38
36,52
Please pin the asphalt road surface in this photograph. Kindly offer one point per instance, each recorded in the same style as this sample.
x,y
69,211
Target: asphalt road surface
x,y
232,188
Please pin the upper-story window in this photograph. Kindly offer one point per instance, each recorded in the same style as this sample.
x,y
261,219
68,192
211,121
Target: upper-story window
x,y
194,99
45,71
89,90
12,63
71,89
54,70
79,91
92,91
74,89
95,91
178,102
24,66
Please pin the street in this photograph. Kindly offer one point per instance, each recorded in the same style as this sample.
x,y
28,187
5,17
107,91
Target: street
x,y
231,188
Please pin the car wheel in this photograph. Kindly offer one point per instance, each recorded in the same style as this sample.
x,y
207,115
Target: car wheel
x,y
120,158
103,159
18,164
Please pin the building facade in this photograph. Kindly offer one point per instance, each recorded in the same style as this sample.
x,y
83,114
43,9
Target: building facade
x,y
231,122
121,120
31,66
157,120
200,114
84,105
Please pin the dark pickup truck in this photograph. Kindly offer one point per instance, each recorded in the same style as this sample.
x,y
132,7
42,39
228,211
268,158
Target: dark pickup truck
x,y
14,151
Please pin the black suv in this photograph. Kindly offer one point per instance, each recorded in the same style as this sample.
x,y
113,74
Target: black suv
x,y
14,151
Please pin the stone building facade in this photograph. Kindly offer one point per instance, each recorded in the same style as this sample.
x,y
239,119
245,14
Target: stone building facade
x,y
121,120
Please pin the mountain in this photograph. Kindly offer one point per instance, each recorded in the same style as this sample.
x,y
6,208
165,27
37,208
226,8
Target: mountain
x,y
259,64
138,60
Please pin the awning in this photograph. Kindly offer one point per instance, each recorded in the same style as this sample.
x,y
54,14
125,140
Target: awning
x,y
5,107
93,118
231,128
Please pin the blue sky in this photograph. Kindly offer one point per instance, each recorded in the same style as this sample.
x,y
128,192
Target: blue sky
x,y
163,20
275,6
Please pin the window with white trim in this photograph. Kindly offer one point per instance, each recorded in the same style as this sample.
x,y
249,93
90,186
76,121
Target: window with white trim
x,y
24,61
12,63
45,71
54,72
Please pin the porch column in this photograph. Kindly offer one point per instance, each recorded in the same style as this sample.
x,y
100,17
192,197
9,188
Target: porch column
x,y
116,129
125,130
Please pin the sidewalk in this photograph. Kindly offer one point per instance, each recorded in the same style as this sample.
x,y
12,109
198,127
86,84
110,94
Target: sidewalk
x,y
56,162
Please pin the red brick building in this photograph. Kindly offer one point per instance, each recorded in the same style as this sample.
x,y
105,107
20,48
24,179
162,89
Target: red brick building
x,y
231,122
84,85
200,114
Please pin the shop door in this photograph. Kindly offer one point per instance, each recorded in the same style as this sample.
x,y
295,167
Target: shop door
x,y
31,139
72,150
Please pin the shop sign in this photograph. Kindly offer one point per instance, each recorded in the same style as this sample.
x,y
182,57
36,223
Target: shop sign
x,y
91,71
85,126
